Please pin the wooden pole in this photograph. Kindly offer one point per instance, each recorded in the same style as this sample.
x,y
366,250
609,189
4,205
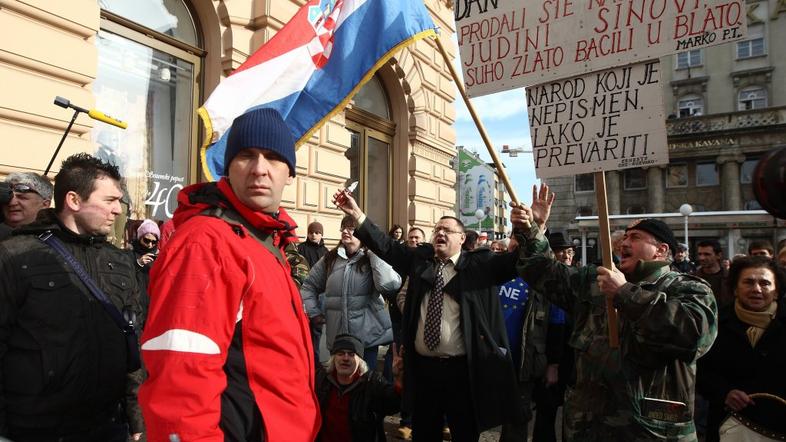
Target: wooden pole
x,y
503,176
604,236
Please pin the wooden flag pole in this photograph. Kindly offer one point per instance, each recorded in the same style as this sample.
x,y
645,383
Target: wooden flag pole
x,y
503,176
604,235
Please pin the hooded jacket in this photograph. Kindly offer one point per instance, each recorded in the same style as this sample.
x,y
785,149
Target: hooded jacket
x,y
226,337
62,358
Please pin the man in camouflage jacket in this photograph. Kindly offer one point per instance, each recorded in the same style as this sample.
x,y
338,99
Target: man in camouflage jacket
x,y
643,390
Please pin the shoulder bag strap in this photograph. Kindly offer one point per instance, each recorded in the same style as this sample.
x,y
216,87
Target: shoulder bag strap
x,y
49,239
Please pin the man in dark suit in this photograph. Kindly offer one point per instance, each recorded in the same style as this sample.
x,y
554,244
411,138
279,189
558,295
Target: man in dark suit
x,y
457,360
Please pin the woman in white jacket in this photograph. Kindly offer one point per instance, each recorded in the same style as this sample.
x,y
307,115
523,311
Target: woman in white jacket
x,y
353,281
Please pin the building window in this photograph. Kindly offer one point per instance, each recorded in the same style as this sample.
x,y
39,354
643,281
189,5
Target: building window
x,y
752,205
585,182
584,211
370,152
753,47
707,174
691,105
149,63
754,97
678,176
746,171
689,59
636,210
635,179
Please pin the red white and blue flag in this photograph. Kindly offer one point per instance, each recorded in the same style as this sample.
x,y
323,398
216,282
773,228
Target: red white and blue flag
x,y
312,67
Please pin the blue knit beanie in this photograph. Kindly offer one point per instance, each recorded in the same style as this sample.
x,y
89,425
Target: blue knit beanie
x,y
263,129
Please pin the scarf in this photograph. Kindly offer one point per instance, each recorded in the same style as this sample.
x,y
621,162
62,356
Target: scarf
x,y
758,321
280,222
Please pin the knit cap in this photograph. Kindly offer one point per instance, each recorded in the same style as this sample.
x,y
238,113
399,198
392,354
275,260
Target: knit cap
x,y
347,342
262,128
316,227
148,226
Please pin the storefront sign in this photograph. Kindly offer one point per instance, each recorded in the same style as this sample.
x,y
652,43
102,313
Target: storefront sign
x,y
162,198
505,44
606,120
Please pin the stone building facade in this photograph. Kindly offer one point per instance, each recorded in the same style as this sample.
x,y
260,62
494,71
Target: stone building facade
x,y
727,107
152,63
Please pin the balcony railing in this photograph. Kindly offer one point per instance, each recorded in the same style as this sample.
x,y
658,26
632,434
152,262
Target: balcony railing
x,y
727,121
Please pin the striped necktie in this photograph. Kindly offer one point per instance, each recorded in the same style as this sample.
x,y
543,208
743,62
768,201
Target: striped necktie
x,y
432,329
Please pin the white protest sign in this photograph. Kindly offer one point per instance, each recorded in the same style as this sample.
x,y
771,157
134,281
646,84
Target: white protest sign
x,y
606,120
505,44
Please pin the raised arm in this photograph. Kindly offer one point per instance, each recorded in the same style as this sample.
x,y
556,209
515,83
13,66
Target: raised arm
x,y
398,255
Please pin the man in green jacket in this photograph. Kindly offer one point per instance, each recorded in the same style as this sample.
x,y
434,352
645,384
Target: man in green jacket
x,y
643,390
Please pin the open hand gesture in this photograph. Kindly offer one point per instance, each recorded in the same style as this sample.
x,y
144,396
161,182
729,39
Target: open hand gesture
x,y
541,204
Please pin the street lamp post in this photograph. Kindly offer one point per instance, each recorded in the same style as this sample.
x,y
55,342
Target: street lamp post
x,y
685,210
480,214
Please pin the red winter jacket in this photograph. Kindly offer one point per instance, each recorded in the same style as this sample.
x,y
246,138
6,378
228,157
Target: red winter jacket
x,y
210,276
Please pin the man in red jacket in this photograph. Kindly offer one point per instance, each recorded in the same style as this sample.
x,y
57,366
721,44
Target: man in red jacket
x,y
227,343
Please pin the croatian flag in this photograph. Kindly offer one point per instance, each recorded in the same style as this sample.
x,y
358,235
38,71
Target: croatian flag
x,y
312,67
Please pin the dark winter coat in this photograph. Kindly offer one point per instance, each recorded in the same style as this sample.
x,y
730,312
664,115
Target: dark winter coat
x,y
732,364
492,377
312,251
371,398
63,358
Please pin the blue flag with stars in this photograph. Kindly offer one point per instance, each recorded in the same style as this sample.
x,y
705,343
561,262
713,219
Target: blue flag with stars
x,y
513,297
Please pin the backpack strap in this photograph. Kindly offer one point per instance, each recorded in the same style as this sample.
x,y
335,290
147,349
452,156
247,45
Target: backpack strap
x,y
234,219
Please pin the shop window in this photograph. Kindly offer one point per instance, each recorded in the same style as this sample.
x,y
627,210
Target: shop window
x,y
585,182
689,59
635,179
753,47
149,63
370,153
754,97
707,174
691,105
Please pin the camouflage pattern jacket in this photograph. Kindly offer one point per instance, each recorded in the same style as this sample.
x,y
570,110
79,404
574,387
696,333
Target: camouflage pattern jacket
x,y
667,320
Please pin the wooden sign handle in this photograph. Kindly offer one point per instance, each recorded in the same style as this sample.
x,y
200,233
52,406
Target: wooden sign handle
x,y
604,237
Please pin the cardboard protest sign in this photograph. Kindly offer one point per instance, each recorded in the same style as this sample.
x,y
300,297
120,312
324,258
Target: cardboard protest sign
x,y
505,44
606,120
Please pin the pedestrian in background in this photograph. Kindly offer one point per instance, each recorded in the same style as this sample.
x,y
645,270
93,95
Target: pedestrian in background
x,y
748,357
313,247
31,193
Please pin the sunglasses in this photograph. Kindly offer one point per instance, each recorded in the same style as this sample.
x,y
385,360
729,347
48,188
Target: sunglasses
x,y
152,242
23,188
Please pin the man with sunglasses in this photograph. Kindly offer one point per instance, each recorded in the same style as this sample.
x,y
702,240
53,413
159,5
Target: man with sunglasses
x,y
30,193
457,361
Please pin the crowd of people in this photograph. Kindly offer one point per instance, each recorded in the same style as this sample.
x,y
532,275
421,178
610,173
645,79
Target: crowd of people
x,y
229,313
